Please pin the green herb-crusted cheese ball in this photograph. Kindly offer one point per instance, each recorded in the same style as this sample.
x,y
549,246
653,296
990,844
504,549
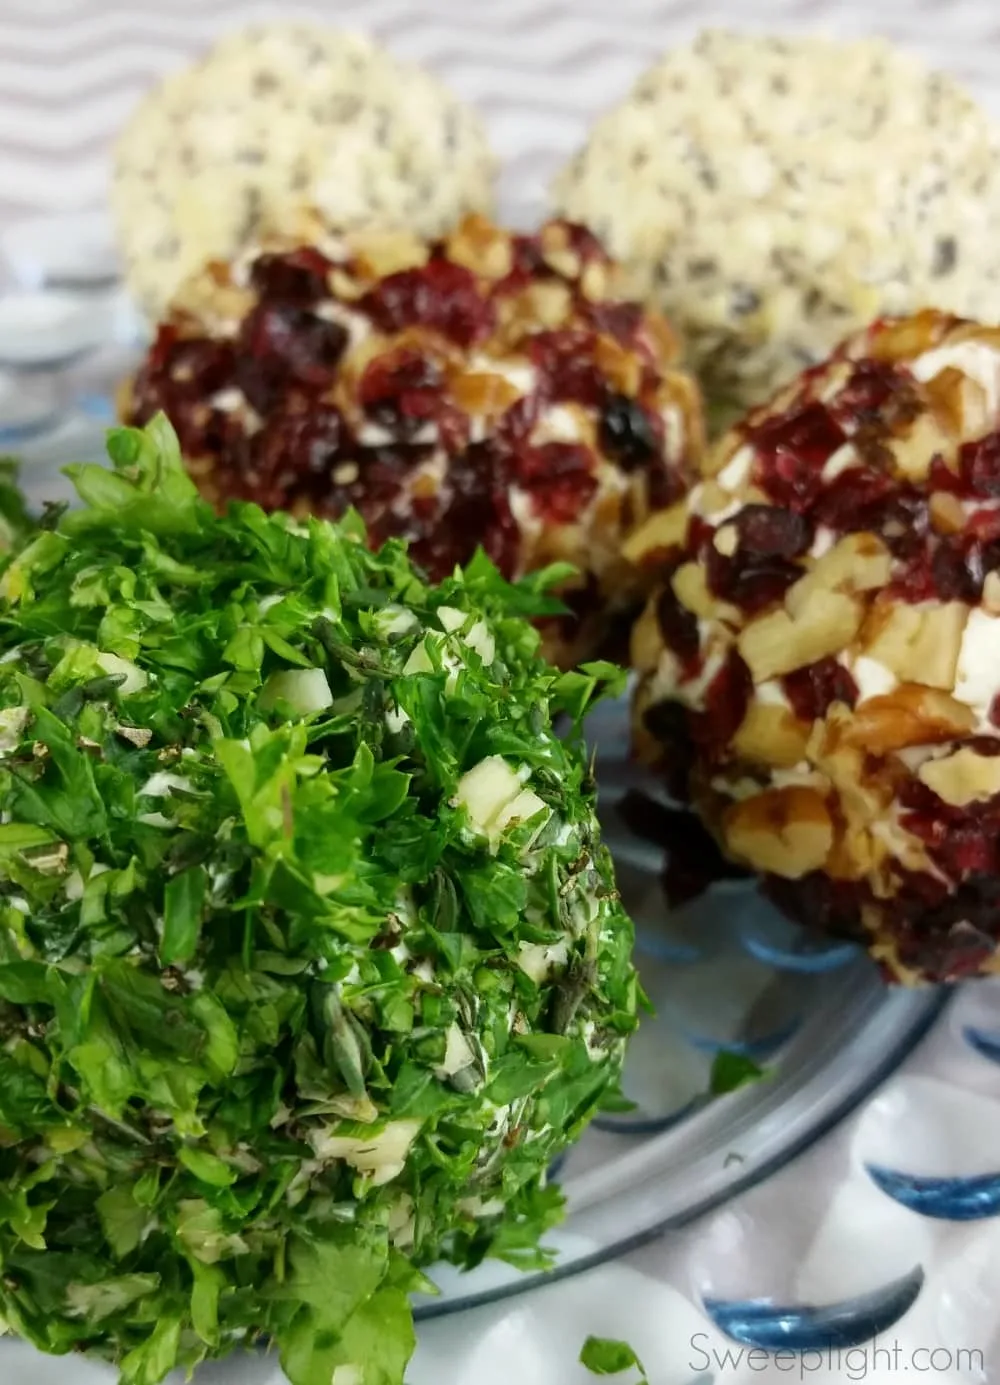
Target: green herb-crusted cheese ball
x,y
310,956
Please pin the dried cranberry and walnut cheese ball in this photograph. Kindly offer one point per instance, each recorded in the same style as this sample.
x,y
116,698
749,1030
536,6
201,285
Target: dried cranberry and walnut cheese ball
x,y
827,635
487,389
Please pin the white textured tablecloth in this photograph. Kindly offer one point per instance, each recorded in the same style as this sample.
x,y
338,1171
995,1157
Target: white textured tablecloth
x,y
821,1231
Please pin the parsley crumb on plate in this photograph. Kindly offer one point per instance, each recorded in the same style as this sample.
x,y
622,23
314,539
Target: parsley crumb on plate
x,y
607,1356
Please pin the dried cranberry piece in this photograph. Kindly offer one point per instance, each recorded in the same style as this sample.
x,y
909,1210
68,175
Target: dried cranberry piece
x,y
961,844
813,690
404,389
902,520
164,343
197,367
940,477
626,433
584,242
957,571
477,514
871,386
921,816
527,257
664,486
383,470
946,932
963,954
440,295
915,583
969,850
746,581
585,620
514,427
401,390
560,479
568,370
827,906
694,860
398,373
293,449
852,499
983,525
792,451
726,701
281,346
299,277
864,500
527,266
668,724
180,377
979,463
699,535
678,625
619,320
765,531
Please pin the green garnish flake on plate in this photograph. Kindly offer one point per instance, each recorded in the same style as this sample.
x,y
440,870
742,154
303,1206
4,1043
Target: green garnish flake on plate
x,y
311,959
609,1356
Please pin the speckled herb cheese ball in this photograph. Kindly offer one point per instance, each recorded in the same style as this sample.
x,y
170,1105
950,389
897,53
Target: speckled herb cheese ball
x,y
280,117
773,194
820,669
487,389
311,957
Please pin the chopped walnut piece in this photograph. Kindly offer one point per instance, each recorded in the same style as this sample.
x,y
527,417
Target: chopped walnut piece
x,y
962,778
771,735
647,652
920,644
482,247
947,513
657,535
621,367
914,449
345,286
908,336
482,393
910,715
726,540
786,831
594,281
857,563
213,300
380,253
691,589
824,623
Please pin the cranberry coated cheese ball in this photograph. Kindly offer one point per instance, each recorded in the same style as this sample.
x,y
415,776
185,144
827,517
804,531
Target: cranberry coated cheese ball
x,y
278,118
485,390
772,194
820,668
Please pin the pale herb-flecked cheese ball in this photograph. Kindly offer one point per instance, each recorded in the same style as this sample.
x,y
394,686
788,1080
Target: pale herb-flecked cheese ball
x,y
276,119
773,194
822,661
